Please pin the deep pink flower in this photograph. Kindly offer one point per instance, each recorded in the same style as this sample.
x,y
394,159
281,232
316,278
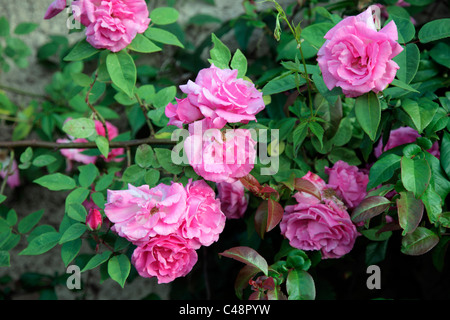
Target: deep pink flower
x,y
221,156
357,57
111,24
319,225
75,154
403,135
13,176
183,112
94,219
140,212
55,8
349,183
204,220
113,132
222,97
233,199
166,257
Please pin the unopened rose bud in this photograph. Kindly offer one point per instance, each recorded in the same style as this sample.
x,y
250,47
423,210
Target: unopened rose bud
x,y
94,220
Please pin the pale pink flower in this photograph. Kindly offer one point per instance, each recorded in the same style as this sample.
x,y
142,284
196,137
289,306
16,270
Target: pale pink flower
x,y
204,220
357,57
75,154
223,97
233,199
319,225
349,182
111,24
221,156
55,8
403,135
165,257
140,213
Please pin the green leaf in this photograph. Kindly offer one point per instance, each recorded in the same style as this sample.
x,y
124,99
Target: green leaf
x,y
300,285
421,112
410,212
368,113
4,259
43,160
152,177
163,36
104,181
2,198
416,175
56,182
119,268
25,27
282,83
220,54
433,204
133,174
122,70
29,222
299,135
80,127
441,54
164,157
144,155
369,208
408,61
383,170
42,243
445,153
97,260
4,27
314,33
435,30
70,250
248,256
419,242
75,231
143,44
403,85
82,50
318,131
164,96
77,212
102,145
88,173
164,15
239,62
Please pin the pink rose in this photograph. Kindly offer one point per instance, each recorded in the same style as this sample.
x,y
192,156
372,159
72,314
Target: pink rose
x,y
403,135
349,182
55,8
94,219
222,97
13,176
316,225
221,156
181,113
75,154
140,213
111,24
166,257
204,220
357,57
233,199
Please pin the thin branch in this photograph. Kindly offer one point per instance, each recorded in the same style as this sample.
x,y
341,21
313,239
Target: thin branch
x,y
24,93
144,111
82,145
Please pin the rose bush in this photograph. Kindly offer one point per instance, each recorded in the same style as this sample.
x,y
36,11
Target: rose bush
x,y
278,169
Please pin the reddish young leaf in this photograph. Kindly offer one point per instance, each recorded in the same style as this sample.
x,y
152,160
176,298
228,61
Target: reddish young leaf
x,y
275,214
251,184
307,186
369,208
261,218
248,256
243,278
410,211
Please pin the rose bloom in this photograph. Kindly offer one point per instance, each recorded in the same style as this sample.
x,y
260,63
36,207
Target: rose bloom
x,y
222,97
182,113
13,176
111,24
166,257
204,221
55,8
319,225
140,212
221,156
349,182
357,57
233,199
403,135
